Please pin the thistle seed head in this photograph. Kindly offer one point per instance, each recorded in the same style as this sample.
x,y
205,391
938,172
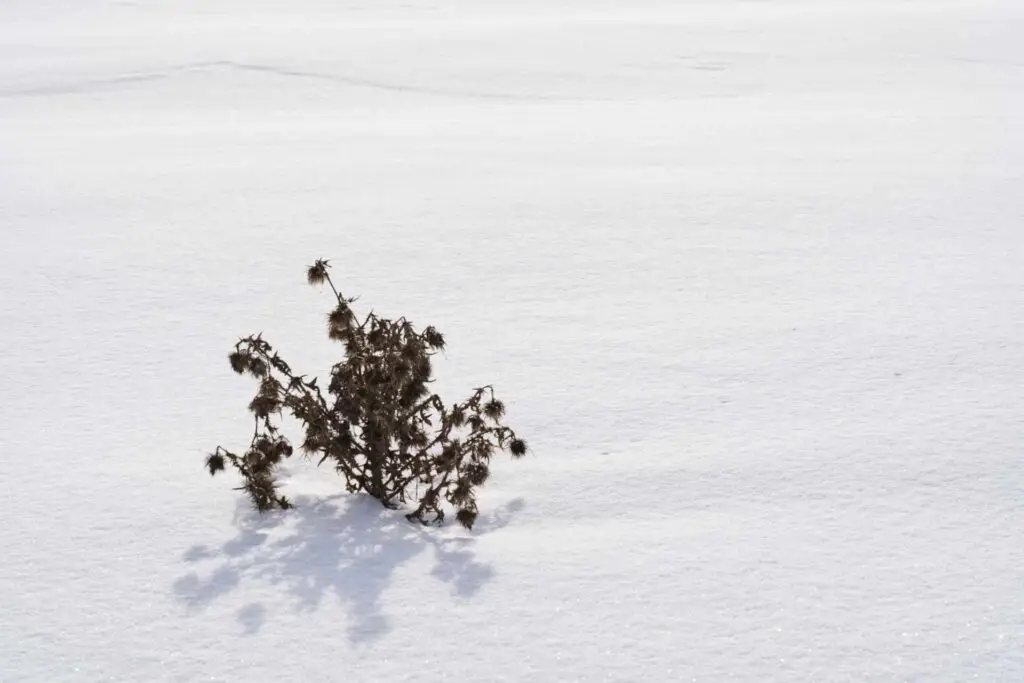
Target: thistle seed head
x,y
517,447
466,517
316,274
215,463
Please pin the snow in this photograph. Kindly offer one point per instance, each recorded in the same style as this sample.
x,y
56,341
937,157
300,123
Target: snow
x,y
747,275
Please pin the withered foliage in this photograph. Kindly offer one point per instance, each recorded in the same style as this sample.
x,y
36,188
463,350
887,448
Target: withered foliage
x,y
376,422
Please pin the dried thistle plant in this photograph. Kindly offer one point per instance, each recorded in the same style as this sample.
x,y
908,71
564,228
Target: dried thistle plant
x,y
378,425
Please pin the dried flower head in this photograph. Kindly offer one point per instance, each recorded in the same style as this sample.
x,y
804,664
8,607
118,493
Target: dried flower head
x,y
494,409
215,463
466,517
434,339
316,274
239,362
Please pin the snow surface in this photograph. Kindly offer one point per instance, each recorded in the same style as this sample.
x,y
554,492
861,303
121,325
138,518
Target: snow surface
x,y
749,275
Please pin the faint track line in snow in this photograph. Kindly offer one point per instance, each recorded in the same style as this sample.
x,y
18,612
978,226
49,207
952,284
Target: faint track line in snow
x,y
83,87
351,81
987,62
400,87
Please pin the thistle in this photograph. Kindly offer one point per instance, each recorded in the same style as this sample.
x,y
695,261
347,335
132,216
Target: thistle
x,y
379,426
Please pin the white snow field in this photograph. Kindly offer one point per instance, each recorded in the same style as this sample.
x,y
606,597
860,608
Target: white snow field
x,y
749,276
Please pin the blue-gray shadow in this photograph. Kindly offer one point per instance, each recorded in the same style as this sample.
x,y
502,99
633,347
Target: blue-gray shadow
x,y
345,546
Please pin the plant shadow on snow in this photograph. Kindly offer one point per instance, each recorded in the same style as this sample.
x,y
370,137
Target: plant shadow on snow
x,y
345,545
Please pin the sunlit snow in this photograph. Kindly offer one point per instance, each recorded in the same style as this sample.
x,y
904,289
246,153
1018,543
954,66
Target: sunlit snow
x,y
748,275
